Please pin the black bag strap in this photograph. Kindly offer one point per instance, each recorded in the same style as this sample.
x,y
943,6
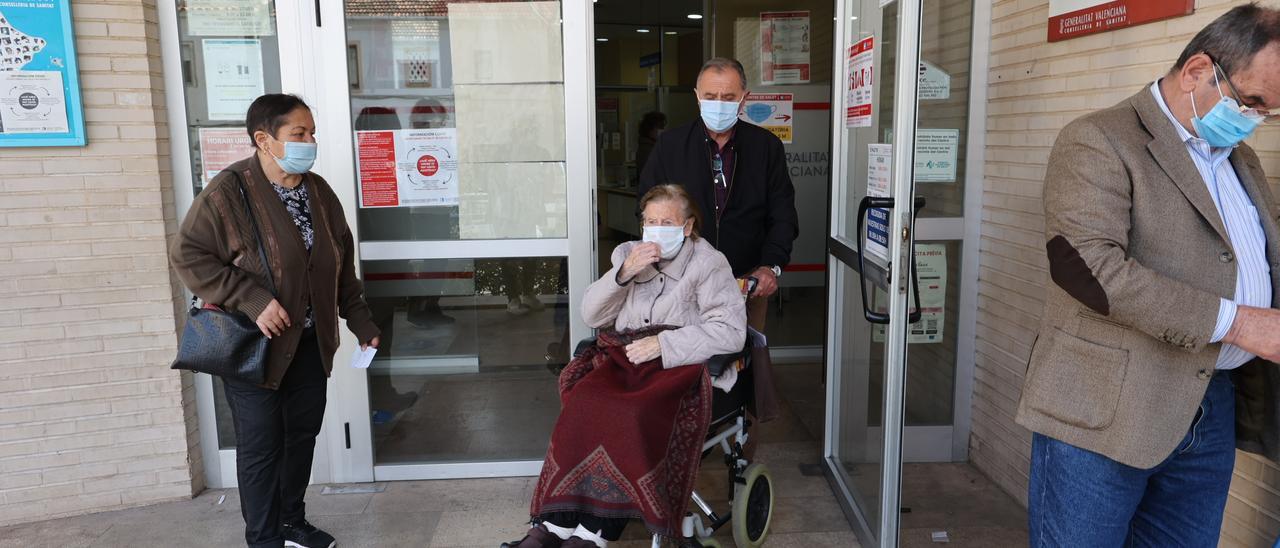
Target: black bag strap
x,y
262,247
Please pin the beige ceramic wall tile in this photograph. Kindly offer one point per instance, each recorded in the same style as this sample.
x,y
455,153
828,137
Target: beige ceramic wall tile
x,y
510,123
512,200
506,42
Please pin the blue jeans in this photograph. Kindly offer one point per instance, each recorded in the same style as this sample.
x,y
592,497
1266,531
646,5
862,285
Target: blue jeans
x,y
1078,498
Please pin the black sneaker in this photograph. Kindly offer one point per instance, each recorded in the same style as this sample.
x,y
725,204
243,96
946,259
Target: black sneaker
x,y
305,535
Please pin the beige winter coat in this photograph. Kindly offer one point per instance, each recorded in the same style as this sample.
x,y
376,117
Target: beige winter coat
x,y
695,291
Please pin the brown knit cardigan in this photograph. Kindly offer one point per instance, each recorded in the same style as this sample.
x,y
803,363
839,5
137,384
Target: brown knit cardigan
x,y
215,255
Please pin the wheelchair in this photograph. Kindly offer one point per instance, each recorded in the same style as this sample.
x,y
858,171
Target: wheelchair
x,y
749,485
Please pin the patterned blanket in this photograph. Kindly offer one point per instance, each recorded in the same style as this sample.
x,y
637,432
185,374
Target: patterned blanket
x,y
629,437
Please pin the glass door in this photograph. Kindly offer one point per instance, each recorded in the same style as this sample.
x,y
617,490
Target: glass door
x,y
874,298
461,165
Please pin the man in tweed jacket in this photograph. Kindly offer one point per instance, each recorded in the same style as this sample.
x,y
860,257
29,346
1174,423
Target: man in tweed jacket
x,y
1156,352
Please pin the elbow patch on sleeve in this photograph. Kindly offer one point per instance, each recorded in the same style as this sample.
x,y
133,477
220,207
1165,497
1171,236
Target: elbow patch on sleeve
x,y
1069,271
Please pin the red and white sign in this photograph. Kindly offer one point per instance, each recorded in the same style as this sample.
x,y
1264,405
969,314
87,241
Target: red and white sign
x,y
861,86
221,147
784,47
408,167
771,111
1072,18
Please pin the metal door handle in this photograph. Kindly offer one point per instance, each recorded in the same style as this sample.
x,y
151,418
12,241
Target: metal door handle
x,y
864,206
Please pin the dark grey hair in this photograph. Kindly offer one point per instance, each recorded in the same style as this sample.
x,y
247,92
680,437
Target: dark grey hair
x,y
1235,37
721,64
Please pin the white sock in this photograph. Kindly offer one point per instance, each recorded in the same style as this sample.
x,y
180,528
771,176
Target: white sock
x,y
562,532
582,533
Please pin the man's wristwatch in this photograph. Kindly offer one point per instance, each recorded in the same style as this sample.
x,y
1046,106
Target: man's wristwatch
x,y
777,271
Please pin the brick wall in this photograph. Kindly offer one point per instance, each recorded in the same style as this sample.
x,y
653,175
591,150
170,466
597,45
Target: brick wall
x,y
91,418
1035,89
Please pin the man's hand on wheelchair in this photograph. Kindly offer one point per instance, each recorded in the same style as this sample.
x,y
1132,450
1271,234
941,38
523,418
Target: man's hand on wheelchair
x,y
767,283
644,350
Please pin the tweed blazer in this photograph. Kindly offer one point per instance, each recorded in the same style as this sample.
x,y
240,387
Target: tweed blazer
x,y
1139,257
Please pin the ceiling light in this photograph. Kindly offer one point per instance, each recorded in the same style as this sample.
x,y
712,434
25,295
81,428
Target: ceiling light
x,y
671,32
694,16
854,18
602,39
642,30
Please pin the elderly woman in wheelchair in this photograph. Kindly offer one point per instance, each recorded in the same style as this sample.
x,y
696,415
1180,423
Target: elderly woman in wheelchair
x,y
637,401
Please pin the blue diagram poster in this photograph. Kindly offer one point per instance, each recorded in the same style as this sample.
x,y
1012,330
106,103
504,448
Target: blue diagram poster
x,y
39,81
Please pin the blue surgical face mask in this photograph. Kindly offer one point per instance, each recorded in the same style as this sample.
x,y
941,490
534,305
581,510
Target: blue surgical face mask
x,y
298,157
669,238
1224,125
719,116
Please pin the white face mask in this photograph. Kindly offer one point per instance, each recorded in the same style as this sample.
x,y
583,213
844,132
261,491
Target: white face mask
x,y
669,238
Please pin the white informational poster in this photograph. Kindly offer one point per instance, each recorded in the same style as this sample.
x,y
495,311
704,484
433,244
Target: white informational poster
x,y
232,76
936,154
229,18
771,111
784,47
32,102
408,167
879,185
220,147
931,267
861,86
935,84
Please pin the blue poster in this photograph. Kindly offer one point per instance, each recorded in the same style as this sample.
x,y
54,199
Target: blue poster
x,y
39,82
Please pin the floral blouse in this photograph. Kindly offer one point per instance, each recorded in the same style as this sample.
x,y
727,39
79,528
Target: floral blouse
x,y
298,202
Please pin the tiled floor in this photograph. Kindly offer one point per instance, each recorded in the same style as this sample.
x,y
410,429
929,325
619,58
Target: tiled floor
x,y
484,512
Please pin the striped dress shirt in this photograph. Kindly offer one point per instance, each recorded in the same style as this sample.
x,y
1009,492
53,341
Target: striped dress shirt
x,y
1249,243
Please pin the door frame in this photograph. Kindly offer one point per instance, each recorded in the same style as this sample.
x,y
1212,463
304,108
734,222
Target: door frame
x,y
305,31
347,419
918,443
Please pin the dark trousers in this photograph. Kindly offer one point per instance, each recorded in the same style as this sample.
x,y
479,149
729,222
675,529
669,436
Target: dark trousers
x,y
608,528
275,441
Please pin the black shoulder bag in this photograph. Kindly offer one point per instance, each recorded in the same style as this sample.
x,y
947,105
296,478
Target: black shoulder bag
x,y
227,343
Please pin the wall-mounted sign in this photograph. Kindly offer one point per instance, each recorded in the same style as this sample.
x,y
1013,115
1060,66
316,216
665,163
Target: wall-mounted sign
x,y
221,147
784,47
879,185
771,111
408,167
931,267
228,18
1072,18
935,84
232,76
861,85
936,153
39,81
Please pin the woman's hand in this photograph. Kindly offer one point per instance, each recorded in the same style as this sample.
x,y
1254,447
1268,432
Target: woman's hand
x,y
644,350
274,320
642,255
374,342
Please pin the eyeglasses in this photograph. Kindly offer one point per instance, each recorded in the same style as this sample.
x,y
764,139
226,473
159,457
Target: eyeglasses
x,y
717,167
1266,115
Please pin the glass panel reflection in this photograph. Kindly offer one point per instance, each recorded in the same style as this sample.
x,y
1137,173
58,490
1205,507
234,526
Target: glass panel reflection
x,y
859,446
463,371
458,109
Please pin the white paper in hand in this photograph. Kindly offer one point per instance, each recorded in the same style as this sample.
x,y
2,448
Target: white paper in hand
x,y
360,359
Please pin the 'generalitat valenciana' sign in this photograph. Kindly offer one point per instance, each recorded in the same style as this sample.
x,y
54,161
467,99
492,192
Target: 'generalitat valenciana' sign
x,y
1072,18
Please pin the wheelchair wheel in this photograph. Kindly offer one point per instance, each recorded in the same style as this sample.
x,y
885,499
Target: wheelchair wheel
x,y
753,507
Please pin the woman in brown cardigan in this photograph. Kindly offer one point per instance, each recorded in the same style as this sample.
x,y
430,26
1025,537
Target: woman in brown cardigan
x,y
310,254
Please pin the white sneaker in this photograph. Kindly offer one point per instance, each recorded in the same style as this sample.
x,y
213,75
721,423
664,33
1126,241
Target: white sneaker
x,y
532,302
